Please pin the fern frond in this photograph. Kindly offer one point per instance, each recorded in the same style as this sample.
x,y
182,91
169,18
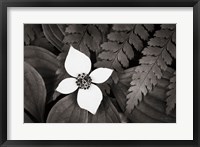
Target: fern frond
x,y
171,99
158,55
123,40
86,38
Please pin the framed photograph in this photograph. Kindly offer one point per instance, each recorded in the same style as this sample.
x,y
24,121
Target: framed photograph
x,y
99,73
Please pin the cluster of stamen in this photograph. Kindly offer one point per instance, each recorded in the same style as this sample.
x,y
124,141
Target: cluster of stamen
x,y
83,81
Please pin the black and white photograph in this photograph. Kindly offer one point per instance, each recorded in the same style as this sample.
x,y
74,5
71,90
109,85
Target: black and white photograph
x,y
99,73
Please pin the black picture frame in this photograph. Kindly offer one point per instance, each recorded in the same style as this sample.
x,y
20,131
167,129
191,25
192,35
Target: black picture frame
x,y
4,4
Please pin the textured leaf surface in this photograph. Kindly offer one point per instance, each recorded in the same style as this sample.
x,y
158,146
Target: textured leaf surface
x,y
105,87
86,38
34,92
149,27
46,65
106,113
33,35
152,108
152,65
143,57
117,55
54,35
67,110
119,50
171,99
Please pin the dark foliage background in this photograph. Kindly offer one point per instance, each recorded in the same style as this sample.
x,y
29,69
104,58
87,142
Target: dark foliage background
x,y
142,89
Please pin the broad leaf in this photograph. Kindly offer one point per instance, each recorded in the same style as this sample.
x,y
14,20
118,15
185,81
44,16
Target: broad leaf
x,y
54,35
67,110
33,35
106,113
44,43
45,63
105,87
34,92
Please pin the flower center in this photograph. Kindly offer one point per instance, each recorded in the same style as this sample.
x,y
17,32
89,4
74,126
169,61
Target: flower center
x,y
83,81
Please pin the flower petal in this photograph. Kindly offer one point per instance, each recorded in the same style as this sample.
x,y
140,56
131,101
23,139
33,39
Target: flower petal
x,y
100,75
77,63
90,99
67,86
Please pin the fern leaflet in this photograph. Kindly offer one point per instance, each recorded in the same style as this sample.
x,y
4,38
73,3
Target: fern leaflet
x,y
171,99
157,55
85,37
119,50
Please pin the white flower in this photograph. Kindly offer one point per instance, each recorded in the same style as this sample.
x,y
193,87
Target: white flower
x,y
78,65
